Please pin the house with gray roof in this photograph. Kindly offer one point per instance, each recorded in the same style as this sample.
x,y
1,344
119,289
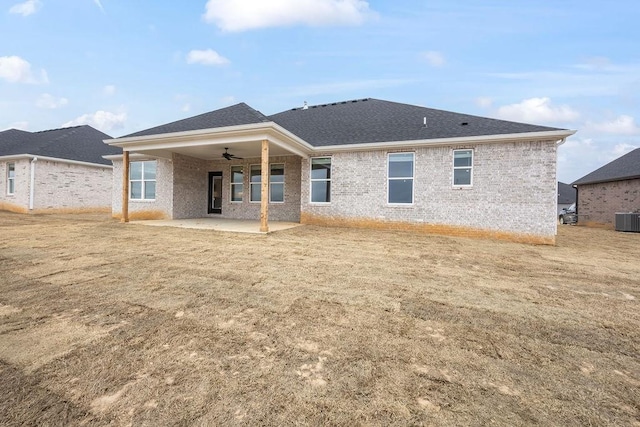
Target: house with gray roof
x,y
615,187
566,196
358,163
58,170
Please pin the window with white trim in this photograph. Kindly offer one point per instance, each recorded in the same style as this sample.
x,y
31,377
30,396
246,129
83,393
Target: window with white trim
x,y
276,183
462,168
142,180
255,182
400,178
11,178
320,180
237,183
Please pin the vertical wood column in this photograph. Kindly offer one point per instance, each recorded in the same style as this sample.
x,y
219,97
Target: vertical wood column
x,y
125,187
264,190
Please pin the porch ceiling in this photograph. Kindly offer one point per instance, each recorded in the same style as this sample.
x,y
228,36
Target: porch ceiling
x,y
213,151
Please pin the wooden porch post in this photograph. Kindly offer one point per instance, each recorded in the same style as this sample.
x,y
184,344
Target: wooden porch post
x,y
264,188
125,187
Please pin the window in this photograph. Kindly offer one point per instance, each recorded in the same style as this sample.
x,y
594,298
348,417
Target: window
x,y
142,177
462,168
321,180
400,171
276,183
237,183
11,178
255,182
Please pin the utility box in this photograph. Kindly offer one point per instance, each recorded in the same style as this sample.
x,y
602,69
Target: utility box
x,y
628,221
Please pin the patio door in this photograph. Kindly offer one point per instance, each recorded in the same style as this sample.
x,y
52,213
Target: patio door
x,y
215,193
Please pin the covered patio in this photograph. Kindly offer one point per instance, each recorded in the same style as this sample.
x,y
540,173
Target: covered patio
x,y
189,149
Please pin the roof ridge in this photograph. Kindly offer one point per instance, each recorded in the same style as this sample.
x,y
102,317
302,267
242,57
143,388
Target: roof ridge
x,y
62,128
330,104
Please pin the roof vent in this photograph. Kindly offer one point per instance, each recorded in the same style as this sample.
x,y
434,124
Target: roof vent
x,y
464,124
305,106
424,123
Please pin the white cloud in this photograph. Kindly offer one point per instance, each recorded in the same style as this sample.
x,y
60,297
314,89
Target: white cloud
x,y
537,110
48,101
622,148
109,90
27,8
22,125
16,70
484,102
99,4
186,107
240,15
103,120
434,58
206,57
228,100
621,125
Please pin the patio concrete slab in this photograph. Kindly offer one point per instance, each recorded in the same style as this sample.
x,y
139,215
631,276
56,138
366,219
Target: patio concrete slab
x,y
220,224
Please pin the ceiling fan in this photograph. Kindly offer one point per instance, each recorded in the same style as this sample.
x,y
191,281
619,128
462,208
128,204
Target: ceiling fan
x,y
228,155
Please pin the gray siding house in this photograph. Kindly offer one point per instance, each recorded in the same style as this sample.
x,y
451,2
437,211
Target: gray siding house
x,y
615,187
59,170
360,163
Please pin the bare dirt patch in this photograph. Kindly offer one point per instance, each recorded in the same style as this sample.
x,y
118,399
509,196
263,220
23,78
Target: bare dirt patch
x,y
110,324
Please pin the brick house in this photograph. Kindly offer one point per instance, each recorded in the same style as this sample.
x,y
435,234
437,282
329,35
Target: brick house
x,y
615,187
361,163
59,170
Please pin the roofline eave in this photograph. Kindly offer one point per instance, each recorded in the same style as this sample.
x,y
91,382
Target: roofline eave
x,y
53,159
481,139
602,181
270,131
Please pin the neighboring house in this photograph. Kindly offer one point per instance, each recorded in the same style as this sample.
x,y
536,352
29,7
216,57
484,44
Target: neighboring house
x,y
361,163
59,170
615,187
566,196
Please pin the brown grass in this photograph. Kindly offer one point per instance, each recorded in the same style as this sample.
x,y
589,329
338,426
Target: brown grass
x,y
103,323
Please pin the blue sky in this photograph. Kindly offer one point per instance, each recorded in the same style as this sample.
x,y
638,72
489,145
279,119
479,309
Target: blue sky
x,y
123,66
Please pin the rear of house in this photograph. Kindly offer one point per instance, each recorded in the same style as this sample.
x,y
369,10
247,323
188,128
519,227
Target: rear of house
x,y
59,170
361,163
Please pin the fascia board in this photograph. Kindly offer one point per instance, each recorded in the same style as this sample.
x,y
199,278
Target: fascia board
x,y
220,136
53,159
482,139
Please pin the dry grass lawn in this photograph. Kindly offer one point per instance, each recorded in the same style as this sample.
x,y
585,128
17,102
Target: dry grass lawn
x,y
110,324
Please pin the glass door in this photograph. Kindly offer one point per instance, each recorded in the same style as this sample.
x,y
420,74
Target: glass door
x,y
215,193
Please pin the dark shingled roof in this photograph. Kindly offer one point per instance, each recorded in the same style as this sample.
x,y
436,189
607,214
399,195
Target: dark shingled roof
x,y
625,167
373,120
566,194
81,143
235,115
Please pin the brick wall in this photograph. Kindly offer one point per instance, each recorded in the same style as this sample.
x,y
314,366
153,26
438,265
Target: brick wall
x,y
68,187
513,193
287,211
160,208
59,187
182,190
598,203
19,201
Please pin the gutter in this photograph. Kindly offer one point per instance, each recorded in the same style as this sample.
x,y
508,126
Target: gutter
x,y
54,159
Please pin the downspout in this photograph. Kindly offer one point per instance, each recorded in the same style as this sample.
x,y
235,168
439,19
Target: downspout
x,y
32,183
